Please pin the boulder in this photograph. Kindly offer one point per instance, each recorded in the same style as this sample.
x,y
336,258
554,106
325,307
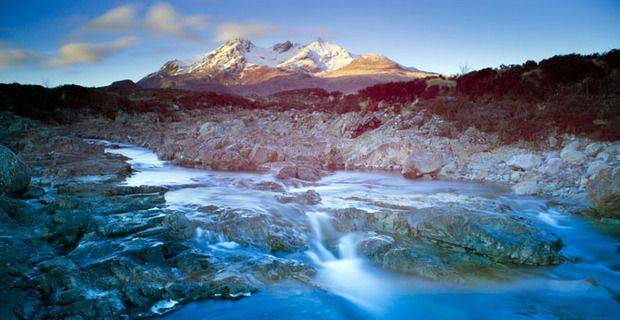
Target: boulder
x,y
14,173
604,191
421,163
570,153
552,166
524,162
302,172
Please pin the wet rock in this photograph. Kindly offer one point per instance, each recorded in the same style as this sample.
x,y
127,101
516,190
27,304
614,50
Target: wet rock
x,y
604,191
375,245
193,263
309,197
410,260
524,162
499,237
420,259
231,285
261,230
14,173
67,229
125,224
96,305
268,268
302,172
421,163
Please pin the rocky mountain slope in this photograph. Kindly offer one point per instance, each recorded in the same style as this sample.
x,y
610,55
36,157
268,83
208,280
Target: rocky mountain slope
x,y
240,67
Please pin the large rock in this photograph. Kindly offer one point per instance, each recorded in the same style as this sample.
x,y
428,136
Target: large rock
x,y
421,163
524,162
14,173
496,236
571,154
604,191
302,172
261,230
552,166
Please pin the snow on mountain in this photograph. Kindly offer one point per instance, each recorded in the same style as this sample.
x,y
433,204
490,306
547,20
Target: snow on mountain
x,y
318,56
233,56
239,54
240,66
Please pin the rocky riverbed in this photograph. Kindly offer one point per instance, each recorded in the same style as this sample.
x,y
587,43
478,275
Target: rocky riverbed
x,y
306,145
99,229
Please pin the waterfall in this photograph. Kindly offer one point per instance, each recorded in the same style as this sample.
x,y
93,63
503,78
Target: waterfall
x,y
345,273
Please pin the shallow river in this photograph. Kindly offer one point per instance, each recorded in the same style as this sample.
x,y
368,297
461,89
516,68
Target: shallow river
x,y
586,285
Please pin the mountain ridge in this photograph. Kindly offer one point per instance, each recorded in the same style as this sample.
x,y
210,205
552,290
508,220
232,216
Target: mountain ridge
x,y
239,63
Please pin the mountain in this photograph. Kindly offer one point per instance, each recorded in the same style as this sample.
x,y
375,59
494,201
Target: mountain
x,y
240,67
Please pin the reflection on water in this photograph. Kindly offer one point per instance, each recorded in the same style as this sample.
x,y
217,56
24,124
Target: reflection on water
x,y
585,286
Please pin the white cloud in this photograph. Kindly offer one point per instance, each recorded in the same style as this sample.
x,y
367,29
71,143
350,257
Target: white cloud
x,y
119,18
162,19
10,57
82,52
233,30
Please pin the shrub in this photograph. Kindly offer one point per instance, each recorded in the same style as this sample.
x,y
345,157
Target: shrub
x,y
394,91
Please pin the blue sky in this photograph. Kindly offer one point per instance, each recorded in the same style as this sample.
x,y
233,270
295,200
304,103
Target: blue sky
x,y
93,43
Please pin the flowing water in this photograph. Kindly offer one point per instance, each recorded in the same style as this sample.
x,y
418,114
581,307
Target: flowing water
x,y
586,285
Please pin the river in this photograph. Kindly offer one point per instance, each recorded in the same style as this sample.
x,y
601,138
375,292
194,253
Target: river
x,y
348,286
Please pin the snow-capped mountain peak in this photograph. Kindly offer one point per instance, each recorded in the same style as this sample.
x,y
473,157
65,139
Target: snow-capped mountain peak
x,y
239,62
238,54
317,57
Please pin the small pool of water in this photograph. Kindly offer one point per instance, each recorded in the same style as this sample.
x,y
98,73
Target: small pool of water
x,y
586,286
